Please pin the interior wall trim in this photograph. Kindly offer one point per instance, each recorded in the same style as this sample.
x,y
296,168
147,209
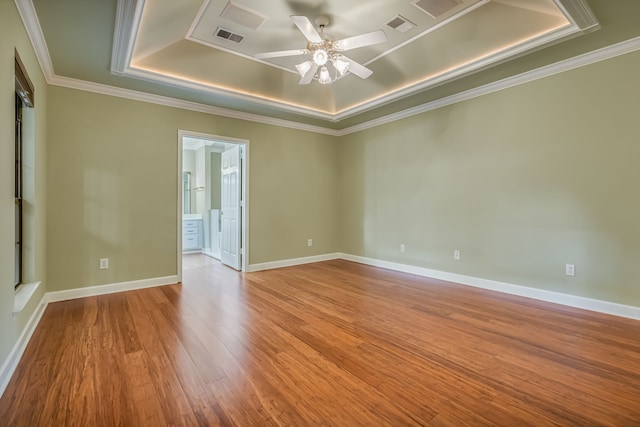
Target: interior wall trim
x,y
292,262
580,12
150,76
11,363
602,54
92,291
600,306
128,17
32,25
34,32
184,105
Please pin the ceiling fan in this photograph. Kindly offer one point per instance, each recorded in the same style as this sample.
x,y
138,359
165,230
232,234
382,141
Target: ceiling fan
x,y
325,50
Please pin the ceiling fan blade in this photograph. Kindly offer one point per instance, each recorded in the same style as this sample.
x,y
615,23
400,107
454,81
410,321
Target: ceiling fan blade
x,y
280,53
306,79
306,27
361,40
357,68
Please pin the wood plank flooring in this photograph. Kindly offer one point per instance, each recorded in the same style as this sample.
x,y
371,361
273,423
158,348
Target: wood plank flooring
x,y
333,343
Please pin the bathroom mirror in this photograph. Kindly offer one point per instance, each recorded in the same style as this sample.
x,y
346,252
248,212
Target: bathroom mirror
x,y
186,192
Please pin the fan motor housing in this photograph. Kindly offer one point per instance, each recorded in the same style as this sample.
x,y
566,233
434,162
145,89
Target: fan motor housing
x,y
322,21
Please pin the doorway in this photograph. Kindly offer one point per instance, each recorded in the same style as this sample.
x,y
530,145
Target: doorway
x,y
213,198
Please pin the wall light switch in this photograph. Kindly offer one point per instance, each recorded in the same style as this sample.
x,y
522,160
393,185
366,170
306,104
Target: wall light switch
x,y
310,242
402,248
456,255
104,263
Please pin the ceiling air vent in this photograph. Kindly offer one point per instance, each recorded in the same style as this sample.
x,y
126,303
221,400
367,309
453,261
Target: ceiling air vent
x,y
400,23
228,35
436,8
240,14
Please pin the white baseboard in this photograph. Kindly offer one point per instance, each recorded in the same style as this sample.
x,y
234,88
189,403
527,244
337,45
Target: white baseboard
x,y
292,262
600,306
110,289
11,363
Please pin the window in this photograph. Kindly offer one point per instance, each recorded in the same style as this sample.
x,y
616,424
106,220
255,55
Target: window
x,y
24,98
18,195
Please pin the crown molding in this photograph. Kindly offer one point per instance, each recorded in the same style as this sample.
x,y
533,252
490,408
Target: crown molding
x,y
581,18
579,13
34,31
602,54
128,16
185,105
153,77
497,58
32,25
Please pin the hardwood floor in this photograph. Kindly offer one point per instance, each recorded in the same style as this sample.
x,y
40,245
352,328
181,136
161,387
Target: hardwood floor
x,y
332,343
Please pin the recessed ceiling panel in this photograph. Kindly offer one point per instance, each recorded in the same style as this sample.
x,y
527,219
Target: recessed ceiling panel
x,y
243,15
440,40
436,8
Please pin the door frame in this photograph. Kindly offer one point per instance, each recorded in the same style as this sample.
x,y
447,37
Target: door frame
x,y
244,176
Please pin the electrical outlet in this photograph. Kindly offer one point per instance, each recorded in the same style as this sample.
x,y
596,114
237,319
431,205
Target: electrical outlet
x,y
104,263
570,270
310,242
456,255
402,248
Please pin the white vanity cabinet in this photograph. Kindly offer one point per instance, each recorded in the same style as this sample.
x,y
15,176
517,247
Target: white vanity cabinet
x,y
191,234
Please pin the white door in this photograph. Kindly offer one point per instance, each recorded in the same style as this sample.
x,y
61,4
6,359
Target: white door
x,y
231,207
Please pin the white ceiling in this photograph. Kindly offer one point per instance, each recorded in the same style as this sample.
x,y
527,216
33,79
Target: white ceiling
x,y
173,42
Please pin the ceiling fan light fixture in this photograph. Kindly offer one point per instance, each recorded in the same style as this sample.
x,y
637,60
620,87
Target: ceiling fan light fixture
x,y
304,67
341,65
324,77
326,62
320,57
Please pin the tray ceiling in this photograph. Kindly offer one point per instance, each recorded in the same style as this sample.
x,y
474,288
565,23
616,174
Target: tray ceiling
x,y
167,51
177,43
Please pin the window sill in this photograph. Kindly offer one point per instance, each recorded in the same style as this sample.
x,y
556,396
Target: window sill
x,y
23,295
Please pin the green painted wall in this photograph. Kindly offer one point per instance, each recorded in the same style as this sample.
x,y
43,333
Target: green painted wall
x,y
13,36
521,181
102,203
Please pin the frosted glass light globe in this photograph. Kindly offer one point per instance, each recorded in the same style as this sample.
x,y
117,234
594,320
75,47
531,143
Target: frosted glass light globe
x,y
320,57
